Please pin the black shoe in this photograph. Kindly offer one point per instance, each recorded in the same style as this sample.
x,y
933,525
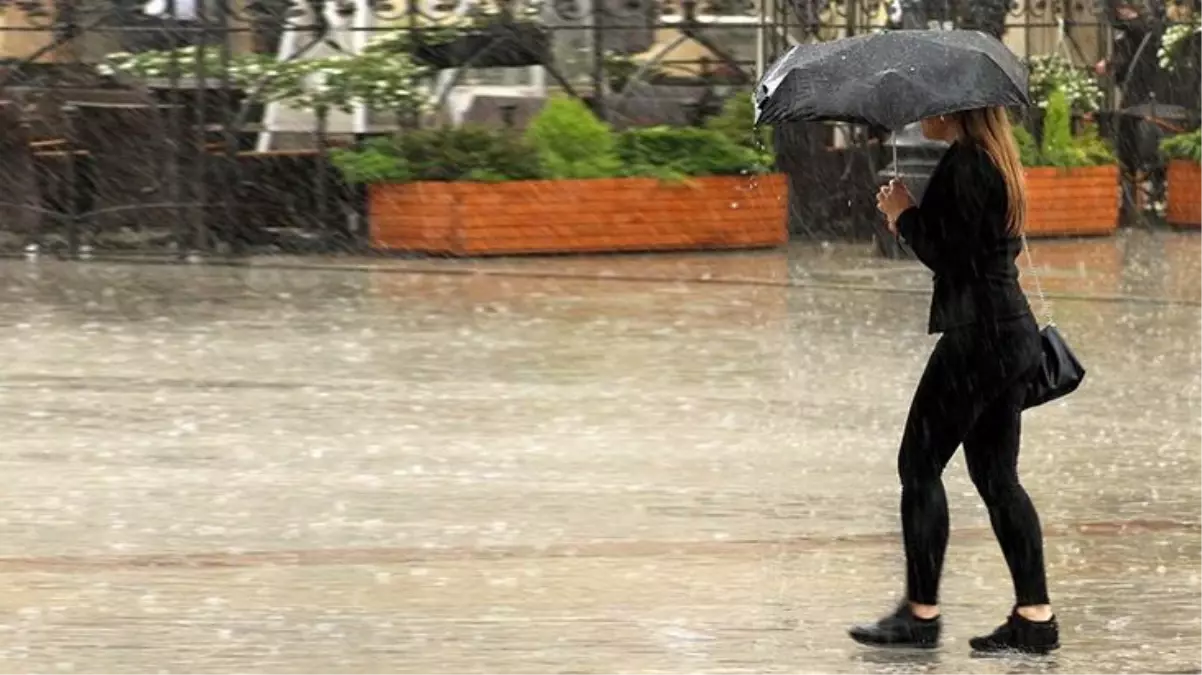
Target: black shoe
x,y
1020,635
900,629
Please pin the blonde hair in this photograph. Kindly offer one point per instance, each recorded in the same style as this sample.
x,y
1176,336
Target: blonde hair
x,y
989,129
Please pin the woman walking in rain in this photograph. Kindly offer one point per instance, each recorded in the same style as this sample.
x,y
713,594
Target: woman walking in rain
x,y
967,231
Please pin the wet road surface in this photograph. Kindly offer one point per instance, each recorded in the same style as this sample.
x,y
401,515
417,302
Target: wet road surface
x,y
641,464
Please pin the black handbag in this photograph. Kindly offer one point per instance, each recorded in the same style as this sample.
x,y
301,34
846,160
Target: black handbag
x,y
1060,372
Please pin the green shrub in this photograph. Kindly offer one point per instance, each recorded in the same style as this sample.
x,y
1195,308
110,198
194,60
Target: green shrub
x,y
467,153
687,151
1184,146
1059,146
564,141
377,161
1028,147
571,142
737,123
1094,149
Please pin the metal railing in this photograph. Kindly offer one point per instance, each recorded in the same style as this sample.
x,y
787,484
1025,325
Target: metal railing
x,y
171,165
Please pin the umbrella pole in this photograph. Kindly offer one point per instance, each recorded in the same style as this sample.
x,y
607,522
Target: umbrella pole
x,y
893,142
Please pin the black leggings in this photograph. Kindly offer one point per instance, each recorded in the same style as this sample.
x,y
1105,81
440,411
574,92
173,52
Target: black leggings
x,y
972,393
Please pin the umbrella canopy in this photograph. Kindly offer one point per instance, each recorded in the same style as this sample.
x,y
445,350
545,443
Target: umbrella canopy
x,y
891,79
1162,111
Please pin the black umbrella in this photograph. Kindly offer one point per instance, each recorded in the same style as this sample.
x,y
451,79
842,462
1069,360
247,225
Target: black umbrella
x,y
1154,111
891,79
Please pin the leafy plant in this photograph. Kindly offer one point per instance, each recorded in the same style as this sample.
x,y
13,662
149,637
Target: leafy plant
x,y
571,142
377,79
564,141
244,70
686,151
1059,147
737,123
377,161
1028,147
1050,72
469,153
420,28
485,176
1186,146
1173,42
1094,149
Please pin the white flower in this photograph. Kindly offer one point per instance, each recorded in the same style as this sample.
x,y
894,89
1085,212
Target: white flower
x,y
1049,72
373,78
1170,43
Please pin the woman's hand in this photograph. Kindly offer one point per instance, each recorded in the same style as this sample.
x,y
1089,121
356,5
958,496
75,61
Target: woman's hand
x,y
892,200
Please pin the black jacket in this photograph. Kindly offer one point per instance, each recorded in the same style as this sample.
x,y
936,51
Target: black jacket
x,y
959,232
1133,63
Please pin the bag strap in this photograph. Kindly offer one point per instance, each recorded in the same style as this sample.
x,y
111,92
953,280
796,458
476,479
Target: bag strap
x,y
1044,306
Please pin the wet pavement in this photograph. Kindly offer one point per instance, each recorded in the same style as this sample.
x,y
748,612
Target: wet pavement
x,y
673,463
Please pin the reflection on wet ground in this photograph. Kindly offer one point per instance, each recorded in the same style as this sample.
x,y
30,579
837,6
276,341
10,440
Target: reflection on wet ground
x,y
644,463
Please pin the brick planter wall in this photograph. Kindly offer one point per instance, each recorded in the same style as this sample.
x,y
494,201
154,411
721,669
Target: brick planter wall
x,y
578,216
1185,194
1072,202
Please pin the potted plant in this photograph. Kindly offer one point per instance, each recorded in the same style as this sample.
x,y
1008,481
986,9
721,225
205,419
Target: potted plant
x,y
500,44
487,35
1184,179
570,184
1173,42
1179,46
1048,73
1072,179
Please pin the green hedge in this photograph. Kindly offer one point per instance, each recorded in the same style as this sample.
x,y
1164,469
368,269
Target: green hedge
x,y
564,141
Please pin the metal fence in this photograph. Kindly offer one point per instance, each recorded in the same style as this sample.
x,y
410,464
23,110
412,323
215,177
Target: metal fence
x,y
189,162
